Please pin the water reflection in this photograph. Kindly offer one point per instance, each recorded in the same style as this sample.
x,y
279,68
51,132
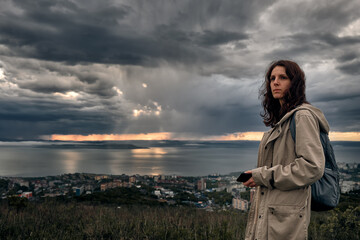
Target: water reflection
x,y
71,161
156,171
148,153
149,160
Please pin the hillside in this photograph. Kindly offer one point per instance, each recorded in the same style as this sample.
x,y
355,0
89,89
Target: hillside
x,y
58,219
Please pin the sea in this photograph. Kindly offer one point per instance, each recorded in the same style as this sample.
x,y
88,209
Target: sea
x,y
180,158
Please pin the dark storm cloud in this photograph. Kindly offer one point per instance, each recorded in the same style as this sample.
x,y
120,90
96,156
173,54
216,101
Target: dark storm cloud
x,y
349,97
77,43
29,119
348,120
131,32
194,67
220,37
352,68
71,32
64,31
214,104
231,118
348,57
311,16
325,44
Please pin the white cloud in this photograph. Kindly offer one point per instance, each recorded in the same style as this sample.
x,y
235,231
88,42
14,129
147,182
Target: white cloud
x,y
2,75
351,30
67,95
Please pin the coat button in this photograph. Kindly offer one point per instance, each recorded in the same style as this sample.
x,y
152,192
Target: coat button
x,y
262,193
278,131
265,147
260,216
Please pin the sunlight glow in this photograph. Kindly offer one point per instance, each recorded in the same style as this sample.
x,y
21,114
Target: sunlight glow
x,y
238,136
119,92
112,137
2,75
344,136
353,29
71,160
67,95
154,109
148,153
137,113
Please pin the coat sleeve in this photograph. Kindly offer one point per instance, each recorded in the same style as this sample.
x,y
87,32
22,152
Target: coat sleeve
x,y
309,164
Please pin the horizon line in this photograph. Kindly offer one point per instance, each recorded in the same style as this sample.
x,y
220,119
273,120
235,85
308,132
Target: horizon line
x,y
168,136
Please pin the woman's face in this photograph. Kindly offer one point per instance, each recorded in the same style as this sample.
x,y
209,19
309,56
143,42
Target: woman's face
x,y
279,83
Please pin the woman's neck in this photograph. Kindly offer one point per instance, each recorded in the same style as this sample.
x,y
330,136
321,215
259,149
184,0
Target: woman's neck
x,y
281,101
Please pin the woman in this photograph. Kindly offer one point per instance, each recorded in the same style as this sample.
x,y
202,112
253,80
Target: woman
x,y
280,208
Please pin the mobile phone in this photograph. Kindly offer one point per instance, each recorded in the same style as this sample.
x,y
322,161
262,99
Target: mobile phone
x,y
244,177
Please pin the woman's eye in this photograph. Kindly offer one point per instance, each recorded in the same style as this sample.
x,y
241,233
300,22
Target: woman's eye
x,y
283,77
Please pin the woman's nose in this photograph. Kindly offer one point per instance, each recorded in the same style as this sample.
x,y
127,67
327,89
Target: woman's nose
x,y
276,81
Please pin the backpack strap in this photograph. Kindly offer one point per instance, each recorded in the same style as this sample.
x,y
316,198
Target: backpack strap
x,y
293,127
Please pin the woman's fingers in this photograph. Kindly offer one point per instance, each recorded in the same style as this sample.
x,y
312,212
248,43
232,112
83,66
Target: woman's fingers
x,y
250,183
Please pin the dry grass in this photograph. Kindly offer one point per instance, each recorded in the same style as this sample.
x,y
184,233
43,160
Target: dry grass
x,y
54,220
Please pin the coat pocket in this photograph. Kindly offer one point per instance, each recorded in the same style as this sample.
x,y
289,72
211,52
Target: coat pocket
x,y
286,222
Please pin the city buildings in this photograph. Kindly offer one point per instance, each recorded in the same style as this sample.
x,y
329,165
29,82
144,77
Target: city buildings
x,y
201,184
240,204
206,192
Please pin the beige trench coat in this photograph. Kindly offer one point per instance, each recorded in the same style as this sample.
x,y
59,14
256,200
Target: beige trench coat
x,y
280,208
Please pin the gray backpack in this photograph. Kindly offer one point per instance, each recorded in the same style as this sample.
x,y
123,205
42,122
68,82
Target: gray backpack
x,y
325,193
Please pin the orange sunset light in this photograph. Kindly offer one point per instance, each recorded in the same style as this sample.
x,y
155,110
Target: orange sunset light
x,y
344,136
112,137
247,136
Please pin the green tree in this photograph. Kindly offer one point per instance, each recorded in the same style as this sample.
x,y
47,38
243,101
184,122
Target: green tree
x,y
220,198
245,195
340,225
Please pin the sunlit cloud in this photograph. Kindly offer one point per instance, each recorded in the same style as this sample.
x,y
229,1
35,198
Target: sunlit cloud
x,y
238,136
67,95
344,136
137,112
353,29
158,109
119,92
154,109
112,137
2,75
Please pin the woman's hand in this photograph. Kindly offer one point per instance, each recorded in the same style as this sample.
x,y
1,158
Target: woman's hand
x,y
250,182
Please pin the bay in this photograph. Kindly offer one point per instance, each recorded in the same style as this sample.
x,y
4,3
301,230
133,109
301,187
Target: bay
x,y
182,158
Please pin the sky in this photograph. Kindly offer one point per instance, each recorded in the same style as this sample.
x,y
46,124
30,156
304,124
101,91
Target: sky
x,y
170,69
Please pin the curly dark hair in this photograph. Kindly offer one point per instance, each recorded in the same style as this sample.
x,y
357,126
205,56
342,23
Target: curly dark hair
x,y
273,111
